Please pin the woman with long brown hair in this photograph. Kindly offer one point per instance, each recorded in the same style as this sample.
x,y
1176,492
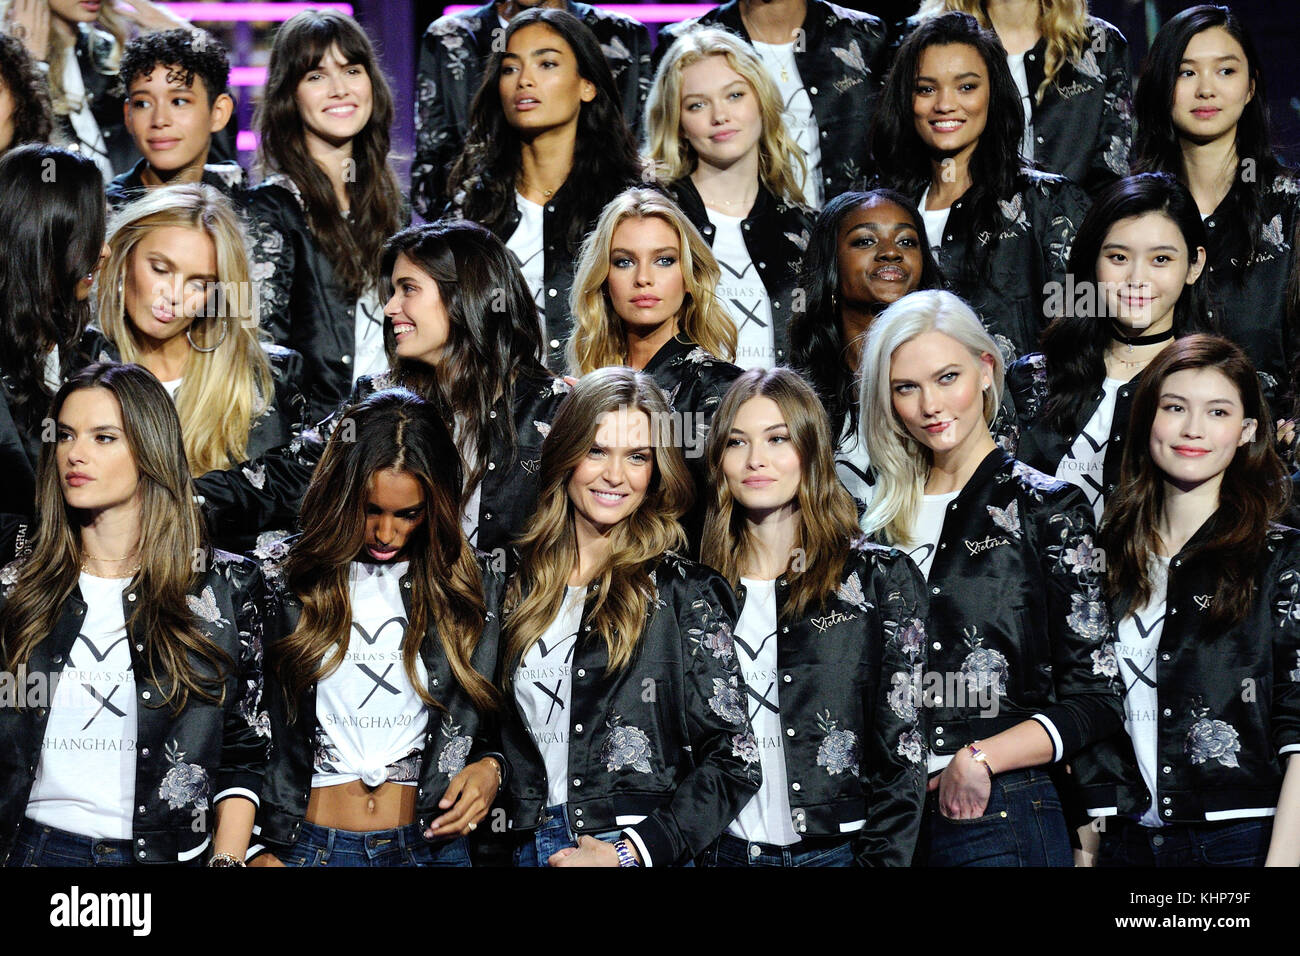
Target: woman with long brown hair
x,y
377,691
153,746
626,712
845,721
329,200
1205,590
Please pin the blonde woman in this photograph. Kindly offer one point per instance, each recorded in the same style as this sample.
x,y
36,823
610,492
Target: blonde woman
x,y
1021,633
1072,73
844,722
628,720
720,147
175,297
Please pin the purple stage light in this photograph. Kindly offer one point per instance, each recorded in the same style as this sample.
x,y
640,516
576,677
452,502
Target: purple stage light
x,y
645,12
246,141
248,76
244,12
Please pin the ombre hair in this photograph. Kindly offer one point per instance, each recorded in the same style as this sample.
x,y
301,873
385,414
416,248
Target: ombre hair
x,y
392,429
902,463
598,337
827,517
1063,22
1255,489
226,390
176,654
781,162
549,547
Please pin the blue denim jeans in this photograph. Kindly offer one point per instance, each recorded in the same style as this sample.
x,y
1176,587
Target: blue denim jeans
x,y
1230,843
728,850
39,845
1023,825
552,836
404,846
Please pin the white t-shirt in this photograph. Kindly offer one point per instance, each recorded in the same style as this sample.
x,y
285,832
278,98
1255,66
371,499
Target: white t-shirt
x,y
368,356
85,780
90,139
52,377
1137,638
372,721
925,542
742,294
936,221
852,465
1084,464
766,817
1018,73
172,385
527,244
799,118
543,687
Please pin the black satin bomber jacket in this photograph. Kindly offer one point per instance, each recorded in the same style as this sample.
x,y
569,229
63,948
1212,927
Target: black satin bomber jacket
x,y
846,672
1016,609
678,708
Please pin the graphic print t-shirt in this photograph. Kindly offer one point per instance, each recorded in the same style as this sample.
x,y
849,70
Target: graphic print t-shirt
x,y
543,687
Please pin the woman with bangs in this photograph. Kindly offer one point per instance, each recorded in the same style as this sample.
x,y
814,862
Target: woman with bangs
x,y
1202,116
719,144
548,146
151,744
175,299
379,731
625,727
844,722
1072,73
1204,586
1017,625
329,200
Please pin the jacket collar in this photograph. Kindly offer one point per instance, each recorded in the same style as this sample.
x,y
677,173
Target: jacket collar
x,y
995,461
729,15
688,197
676,347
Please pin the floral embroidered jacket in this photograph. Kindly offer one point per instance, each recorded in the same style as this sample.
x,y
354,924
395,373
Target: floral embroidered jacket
x,y
850,674
186,763
1018,627
1228,701
842,56
457,734
666,741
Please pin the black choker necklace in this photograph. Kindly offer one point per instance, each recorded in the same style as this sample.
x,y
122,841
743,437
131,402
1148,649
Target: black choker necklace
x,y
1132,340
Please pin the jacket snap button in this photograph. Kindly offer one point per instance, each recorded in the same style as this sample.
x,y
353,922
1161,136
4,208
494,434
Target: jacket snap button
x,y
937,646
141,808
934,590
346,359
794,786
492,414
789,732
492,466
577,728
939,741
578,823
551,292
555,343
755,851
146,695
578,812
787,678
145,752
577,781
140,647
130,597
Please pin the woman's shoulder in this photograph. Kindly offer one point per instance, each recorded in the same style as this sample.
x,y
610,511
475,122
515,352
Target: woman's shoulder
x,y
275,193
95,346
1027,374
1105,40
1283,542
237,570
674,570
286,363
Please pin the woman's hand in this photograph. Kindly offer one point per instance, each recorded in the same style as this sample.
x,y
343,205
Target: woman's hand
x,y
265,859
588,852
468,796
29,21
964,788
149,16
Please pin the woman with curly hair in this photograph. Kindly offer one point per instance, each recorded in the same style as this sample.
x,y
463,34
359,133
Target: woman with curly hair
x,y
24,103
1203,585
1018,626
626,716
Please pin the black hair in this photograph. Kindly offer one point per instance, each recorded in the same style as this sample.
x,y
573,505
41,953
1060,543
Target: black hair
x,y
32,118
816,333
52,218
1075,345
184,53
1156,147
605,159
996,166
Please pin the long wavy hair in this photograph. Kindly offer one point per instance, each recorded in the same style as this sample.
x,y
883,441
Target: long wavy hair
x,y
816,332
598,337
828,519
393,429
996,166
901,463
110,22
178,656
1157,146
482,181
494,336
1255,489
549,546
52,221
32,118
1075,345
781,162
352,243
226,390
1064,23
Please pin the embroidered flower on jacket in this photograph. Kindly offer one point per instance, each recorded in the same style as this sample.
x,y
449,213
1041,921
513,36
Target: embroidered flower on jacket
x,y
9,574
454,752
839,748
911,638
1087,66
910,745
1116,155
543,428
205,606
256,476
616,50
745,746
1013,211
1088,616
184,783
902,696
726,701
850,592
1008,519
1104,661
984,668
626,746
1211,739
1082,557
697,355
